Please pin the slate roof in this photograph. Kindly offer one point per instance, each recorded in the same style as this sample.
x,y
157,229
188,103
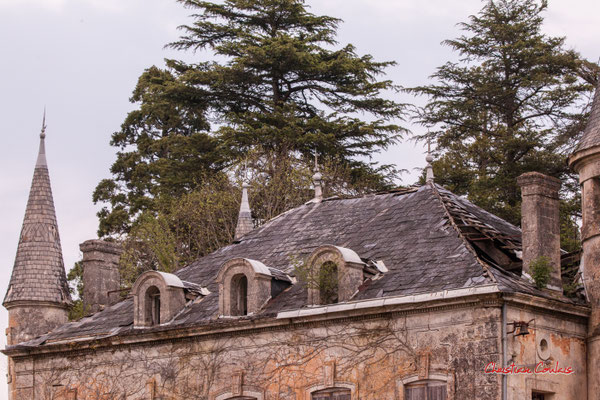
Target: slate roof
x,y
39,273
424,236
591,134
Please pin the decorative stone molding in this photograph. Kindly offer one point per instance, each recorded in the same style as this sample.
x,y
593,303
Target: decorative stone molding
x,y
258,286
349,270
151,284
238,389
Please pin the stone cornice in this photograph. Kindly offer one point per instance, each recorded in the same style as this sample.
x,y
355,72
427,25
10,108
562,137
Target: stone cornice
x,y
240,327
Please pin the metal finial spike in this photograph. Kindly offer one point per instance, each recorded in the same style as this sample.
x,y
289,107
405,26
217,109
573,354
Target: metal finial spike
x,y
316,161
43,132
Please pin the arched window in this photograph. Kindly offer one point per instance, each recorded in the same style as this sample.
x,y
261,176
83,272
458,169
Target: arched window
x,y
239,295
331,394
328,283
152,311
425,390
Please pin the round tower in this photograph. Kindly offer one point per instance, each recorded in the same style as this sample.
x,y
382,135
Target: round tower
x,y
585,160
38,297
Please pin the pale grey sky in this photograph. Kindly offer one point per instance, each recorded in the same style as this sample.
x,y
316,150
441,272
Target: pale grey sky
x,y
81,59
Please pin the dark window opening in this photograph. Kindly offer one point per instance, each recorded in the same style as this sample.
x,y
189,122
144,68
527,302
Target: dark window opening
x,y
538,396
328,283
331,394
152,303
239,295
425,390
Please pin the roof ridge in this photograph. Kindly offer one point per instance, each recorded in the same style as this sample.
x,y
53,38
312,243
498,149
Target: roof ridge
x,y
486,268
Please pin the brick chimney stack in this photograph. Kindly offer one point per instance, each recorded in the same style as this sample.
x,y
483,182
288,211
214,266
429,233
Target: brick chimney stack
x,y
101,277
540,223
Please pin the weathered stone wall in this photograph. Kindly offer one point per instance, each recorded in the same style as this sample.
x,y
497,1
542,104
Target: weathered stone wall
x,y
26,322
374,356
565,346
101,278
540,222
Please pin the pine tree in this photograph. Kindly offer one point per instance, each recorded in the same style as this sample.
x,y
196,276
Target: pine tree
x,y
512,104
282,86
276,84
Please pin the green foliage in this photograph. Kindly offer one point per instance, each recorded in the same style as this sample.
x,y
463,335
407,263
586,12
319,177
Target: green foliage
x,y
165,150
278,89
325,280
77,310
281,83
540,269
510,105
75,278
328,283
182,230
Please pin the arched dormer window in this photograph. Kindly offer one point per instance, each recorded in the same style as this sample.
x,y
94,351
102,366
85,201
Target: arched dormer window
x,y
244,286
338,273
157,298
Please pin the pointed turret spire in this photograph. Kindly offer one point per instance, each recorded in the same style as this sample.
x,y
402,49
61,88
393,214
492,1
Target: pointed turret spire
x,y
38,274
317,177
245,223
429,169
591,134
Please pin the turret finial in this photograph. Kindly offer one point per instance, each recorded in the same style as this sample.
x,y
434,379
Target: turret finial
x,y
245,223
317,177
43,132
41,160
429,168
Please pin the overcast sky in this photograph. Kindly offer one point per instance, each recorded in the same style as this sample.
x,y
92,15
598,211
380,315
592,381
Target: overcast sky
x,y
81,59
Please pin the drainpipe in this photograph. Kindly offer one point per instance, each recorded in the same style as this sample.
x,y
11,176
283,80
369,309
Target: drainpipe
x,y
504,350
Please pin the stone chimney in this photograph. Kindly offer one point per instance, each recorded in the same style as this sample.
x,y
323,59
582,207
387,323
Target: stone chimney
x,y
540,223
101,278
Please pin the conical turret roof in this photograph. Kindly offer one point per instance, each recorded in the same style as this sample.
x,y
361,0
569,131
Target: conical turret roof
x,y
38,274
591,135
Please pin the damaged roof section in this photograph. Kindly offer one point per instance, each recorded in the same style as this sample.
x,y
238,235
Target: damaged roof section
x,y
412,241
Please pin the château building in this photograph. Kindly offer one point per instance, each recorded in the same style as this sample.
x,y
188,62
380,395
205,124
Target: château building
x,y
432,298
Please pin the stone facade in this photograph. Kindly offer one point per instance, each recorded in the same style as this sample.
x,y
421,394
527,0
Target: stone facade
x,y
374,353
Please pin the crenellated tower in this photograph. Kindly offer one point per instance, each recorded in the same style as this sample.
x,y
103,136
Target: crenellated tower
x,y
37,298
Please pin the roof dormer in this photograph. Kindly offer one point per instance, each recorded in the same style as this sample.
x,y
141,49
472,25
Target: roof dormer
x,y
157,298
246,285
337,272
